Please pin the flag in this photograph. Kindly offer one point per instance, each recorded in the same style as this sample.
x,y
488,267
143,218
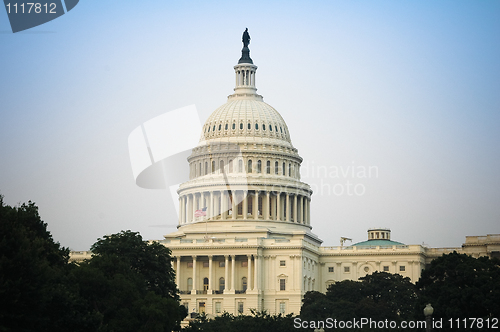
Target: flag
x,y
200,213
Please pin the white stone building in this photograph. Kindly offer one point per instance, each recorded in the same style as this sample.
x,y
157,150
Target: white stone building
x,y
244,237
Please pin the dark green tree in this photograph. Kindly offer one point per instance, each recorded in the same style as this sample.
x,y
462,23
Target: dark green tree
x,y
35,294
130,285
461,286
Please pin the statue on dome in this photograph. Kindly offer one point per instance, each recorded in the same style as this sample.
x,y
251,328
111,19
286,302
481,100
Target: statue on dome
x,y
246,38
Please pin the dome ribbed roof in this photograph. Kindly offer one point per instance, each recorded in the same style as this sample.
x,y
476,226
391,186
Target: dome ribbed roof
x,y
249,120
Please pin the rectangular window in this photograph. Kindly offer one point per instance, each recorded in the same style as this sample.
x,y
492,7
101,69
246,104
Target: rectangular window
x,y
282,307
386,268
240,307
222,264
244,264
282,284
205,264
282,263
218,308
190,264
347,269
330,269
402,268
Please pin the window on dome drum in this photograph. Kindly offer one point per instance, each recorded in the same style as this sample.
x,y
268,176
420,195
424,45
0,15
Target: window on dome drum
x,y
386,268
259,166
268,167
270,128
230,166
347,269
402,268
264,127
226,126
221,166
276,168
213,129
282,263
275,127
241,125
289,169
221,126
244,284
284,169
249,126
208,128
240,166
282,284
330,269
249,170
222,284
213,166
234,125
281,130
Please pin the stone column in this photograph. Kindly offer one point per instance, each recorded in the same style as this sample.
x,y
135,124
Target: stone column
x,y
287,207
233,265
278,206
193,207
234,213
256,270
245,204
210,274
193,291
273,207
256,205
211,213
267,210
249,279
308,211
226,273
295,208
178,272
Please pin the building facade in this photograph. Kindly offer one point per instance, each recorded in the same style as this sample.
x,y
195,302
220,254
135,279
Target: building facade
x,y
244,238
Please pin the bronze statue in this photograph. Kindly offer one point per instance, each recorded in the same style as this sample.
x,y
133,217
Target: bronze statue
x,y
246,38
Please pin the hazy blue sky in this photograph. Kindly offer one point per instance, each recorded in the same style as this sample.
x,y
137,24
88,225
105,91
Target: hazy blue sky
x,y
409,88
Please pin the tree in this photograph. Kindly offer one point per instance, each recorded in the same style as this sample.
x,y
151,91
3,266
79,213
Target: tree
x,y
35,294
130,285
461,286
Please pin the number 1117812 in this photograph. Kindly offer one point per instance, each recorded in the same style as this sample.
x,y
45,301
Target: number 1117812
x,y
31,7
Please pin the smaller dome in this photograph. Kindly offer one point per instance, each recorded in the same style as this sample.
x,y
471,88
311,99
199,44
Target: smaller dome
x,y
372,243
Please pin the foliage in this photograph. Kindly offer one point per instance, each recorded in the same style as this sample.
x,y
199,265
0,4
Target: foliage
x,y
129,284
35,294
460,286
378,296
257,322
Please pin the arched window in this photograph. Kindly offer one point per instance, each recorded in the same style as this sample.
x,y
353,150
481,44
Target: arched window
x,y
230,166
241,125
284,169
249,169
259,166
221,164
289,169
222,284
221,126
268,167
256,126
275,127
240,166
189,284
226,126
270,128
281,130
208,129
264,127
213,129
234,125
244,284
249,126
276,168
205,284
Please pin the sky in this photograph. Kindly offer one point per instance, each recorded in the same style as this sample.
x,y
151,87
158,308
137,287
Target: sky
x,y
393,105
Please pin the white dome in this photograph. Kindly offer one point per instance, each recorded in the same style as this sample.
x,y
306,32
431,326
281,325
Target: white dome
x,y
248,120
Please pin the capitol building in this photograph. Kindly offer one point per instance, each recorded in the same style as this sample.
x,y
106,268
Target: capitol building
x,y
244,238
